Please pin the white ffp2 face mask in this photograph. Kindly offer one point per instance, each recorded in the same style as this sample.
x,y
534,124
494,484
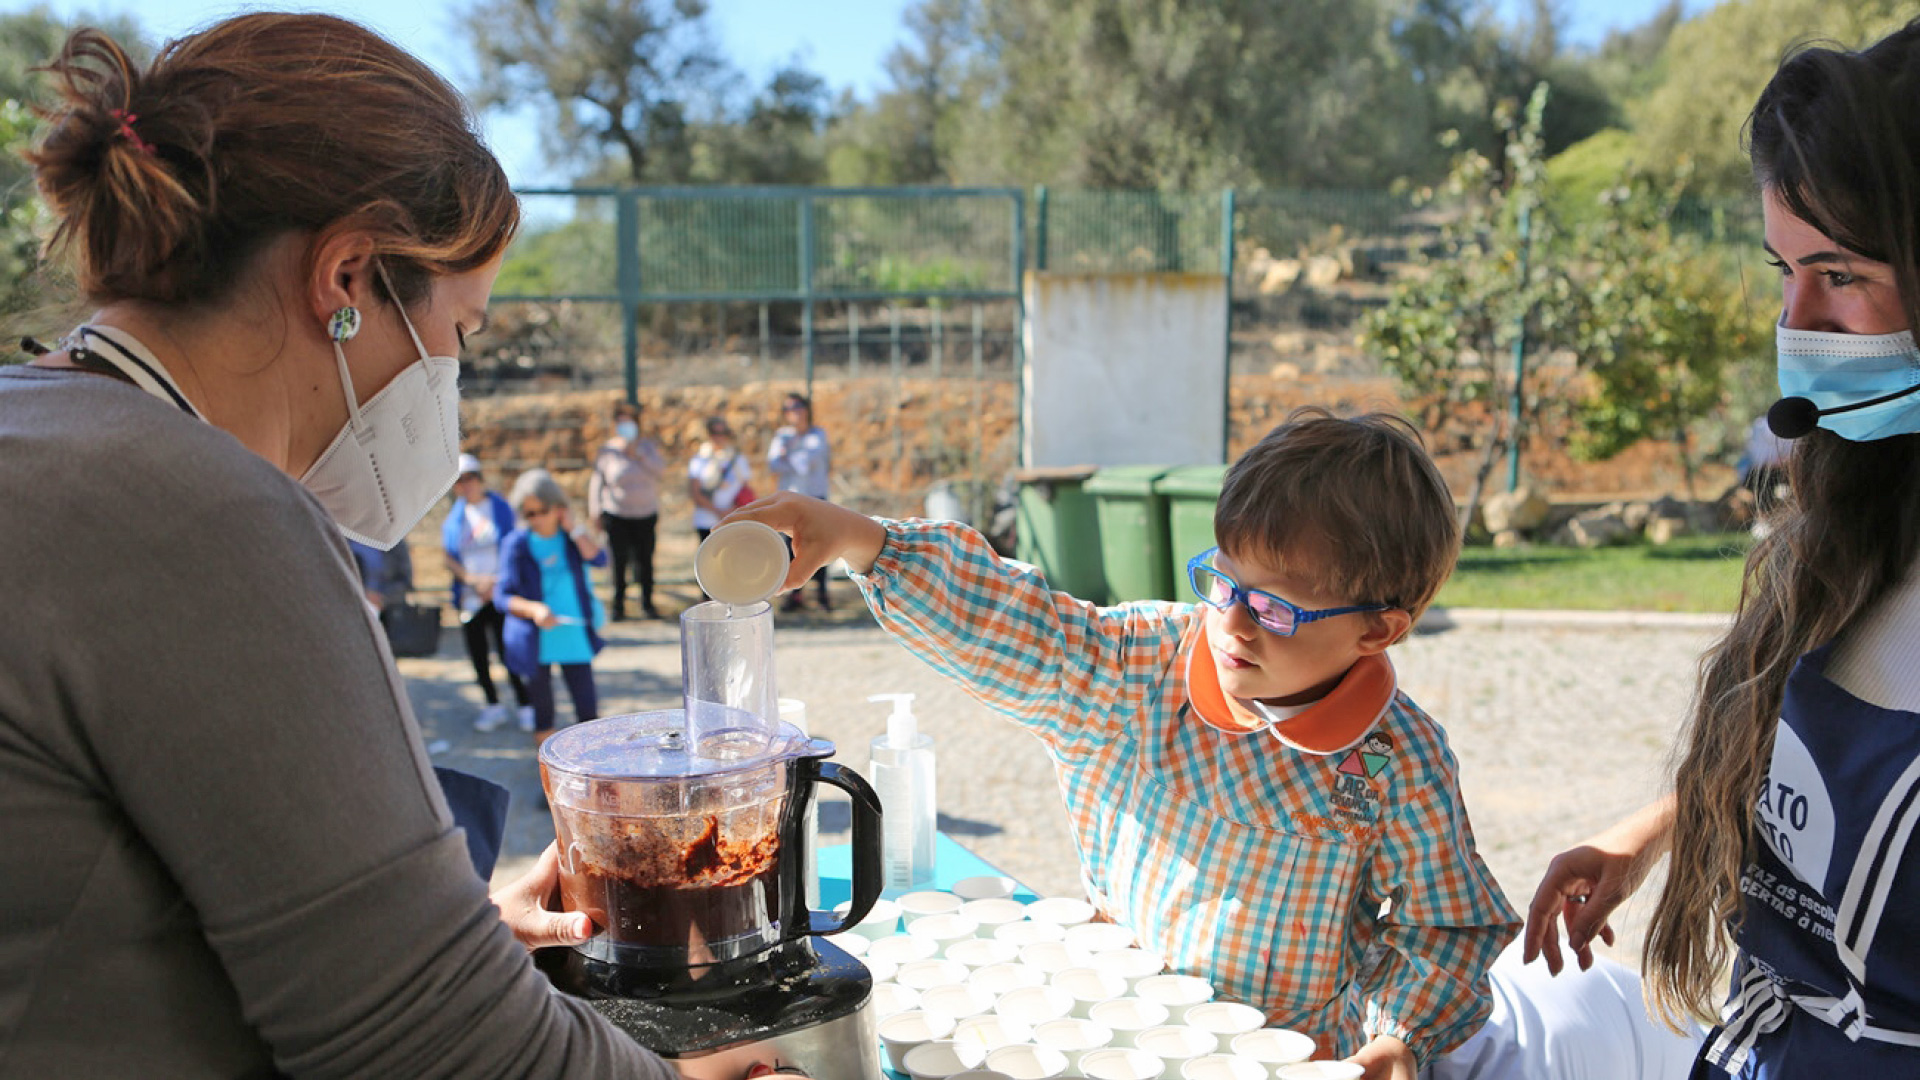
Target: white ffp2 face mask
x,y
398,453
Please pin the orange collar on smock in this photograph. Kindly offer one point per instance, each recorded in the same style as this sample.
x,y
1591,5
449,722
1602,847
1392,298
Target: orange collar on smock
x,y
1334,723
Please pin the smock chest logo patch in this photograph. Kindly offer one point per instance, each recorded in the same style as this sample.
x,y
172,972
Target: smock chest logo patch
x,y
1353,804
1367,759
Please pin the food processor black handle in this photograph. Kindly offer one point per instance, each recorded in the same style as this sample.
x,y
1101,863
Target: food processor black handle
x,y
868,876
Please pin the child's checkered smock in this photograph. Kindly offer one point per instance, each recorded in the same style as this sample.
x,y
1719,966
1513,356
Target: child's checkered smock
x,y
1260,868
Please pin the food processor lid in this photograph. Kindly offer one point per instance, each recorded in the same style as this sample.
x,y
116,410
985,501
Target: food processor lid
x,y
665,745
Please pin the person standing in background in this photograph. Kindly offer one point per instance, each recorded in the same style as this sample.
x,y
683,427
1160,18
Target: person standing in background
x,y
470,539
802,461
717,477
623,494
545,589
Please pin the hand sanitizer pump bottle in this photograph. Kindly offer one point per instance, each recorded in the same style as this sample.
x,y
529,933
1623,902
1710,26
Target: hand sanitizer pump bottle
x,y
901,764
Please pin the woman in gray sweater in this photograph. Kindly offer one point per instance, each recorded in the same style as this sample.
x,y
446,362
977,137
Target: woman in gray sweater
x,y
222,849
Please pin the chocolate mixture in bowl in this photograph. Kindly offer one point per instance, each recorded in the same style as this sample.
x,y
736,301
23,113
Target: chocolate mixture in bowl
x,y
645,882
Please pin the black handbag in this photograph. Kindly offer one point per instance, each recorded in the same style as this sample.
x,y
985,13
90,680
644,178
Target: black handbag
x,y
412,629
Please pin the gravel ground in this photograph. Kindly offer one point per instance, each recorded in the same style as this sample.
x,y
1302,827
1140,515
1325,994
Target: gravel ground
x,y
1560,729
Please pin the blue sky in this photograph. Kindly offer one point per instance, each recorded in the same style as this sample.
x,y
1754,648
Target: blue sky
x,y
845,41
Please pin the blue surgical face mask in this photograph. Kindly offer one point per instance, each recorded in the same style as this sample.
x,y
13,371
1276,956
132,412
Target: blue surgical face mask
x,y
627,430
1835,371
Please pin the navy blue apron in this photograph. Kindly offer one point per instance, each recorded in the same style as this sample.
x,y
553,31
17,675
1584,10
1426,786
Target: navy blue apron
x,y
1828,977
480,809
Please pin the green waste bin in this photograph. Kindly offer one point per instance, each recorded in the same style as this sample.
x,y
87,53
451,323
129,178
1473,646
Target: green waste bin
x,y
1133,532
1191,492
1058,530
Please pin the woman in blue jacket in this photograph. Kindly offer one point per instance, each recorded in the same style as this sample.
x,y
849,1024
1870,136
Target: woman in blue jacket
x,y
552,615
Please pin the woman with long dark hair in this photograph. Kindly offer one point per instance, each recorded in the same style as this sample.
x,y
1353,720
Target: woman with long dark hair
x,y
1790,826
223,852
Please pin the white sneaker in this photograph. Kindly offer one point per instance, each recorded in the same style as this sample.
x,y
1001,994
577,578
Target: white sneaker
x,y
490,718
526,718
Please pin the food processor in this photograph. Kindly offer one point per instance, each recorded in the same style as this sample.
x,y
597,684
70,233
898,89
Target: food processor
x,y
682,836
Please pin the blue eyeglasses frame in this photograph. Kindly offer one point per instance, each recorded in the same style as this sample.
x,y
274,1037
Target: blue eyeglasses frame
x,y
1237,595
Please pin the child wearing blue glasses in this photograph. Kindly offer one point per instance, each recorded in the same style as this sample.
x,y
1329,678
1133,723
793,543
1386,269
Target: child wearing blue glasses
x,y
1249,790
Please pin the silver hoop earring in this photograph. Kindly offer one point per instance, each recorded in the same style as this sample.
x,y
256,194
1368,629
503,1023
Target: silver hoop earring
x,y
344,324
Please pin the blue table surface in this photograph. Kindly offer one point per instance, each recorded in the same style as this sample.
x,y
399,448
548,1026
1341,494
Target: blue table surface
x,y
951,863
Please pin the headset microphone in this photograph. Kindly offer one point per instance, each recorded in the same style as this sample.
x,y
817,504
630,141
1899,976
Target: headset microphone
x,y
1796,417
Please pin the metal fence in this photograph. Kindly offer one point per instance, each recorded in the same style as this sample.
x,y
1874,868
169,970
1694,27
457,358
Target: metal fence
x,y
799,280
639,248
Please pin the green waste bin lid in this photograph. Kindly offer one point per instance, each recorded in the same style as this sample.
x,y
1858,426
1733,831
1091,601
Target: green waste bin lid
x,y
1054,474
1199,481
1126,480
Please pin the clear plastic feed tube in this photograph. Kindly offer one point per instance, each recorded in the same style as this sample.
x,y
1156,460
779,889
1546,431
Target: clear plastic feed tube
x,y
726,669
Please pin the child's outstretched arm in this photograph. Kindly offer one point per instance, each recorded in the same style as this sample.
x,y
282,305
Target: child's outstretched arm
x,y
1058,665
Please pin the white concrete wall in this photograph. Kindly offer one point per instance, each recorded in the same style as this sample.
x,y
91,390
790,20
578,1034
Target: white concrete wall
x,y
1125,369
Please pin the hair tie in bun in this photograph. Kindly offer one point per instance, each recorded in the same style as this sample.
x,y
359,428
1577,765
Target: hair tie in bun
x,y
126,120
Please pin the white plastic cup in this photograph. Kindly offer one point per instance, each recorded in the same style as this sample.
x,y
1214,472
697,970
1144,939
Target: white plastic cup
x,y
944,930
1072,1037
1176,1044
850,943
1025,1062
1320,1070
741,562
997,979
918,905
890,998
957,1000
1087,986
1034,1004
1099,937
1051,957
980,1074
1226,1018
985,887
977,1036
1222,1067
936,1060
1026,932
1127,1017
1121,1063
1132,965
1274,1046
903,948
1063,911
993,912
924,975
883,919
1179,993
903,1031
979,952
882,970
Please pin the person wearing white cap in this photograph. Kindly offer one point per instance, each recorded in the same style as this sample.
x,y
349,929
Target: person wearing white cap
x,y
471,537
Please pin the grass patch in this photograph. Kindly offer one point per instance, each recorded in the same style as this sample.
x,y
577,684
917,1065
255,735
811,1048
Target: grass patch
x,y
1694,573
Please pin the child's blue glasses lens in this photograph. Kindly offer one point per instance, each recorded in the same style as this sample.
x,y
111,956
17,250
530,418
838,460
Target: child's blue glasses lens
x,y
1222,592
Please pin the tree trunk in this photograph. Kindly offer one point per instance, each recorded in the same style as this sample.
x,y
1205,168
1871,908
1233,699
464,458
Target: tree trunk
x,y
1682,446
1495,443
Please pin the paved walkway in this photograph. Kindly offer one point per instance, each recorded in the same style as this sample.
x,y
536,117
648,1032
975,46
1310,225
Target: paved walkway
x,y
1561,726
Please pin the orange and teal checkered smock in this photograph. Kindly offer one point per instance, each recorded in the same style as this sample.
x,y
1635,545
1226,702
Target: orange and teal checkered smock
x,y
1340,893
